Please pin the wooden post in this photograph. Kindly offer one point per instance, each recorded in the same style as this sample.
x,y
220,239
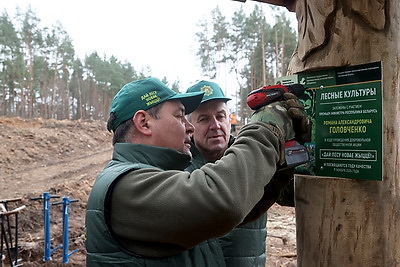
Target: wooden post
x,y
344,222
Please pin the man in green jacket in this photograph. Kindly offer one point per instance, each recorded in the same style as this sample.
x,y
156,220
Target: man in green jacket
x,y
144,210
244,245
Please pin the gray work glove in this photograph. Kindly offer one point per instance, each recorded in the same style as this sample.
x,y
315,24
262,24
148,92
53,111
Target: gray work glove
x,y
289,117
277,116
301,123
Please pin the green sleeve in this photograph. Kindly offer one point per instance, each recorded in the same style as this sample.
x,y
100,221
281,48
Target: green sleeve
x,y
156,212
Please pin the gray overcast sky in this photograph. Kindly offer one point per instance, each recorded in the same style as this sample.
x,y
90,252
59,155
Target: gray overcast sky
x,y
159,34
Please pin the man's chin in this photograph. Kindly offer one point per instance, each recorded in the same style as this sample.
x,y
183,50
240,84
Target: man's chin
x,y
217,142
216,147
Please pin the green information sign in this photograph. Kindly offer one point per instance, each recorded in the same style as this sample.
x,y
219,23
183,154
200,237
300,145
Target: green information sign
x,y
345,106
348,140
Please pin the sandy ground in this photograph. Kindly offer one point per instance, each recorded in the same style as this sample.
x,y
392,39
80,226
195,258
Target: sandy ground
x,y
63,158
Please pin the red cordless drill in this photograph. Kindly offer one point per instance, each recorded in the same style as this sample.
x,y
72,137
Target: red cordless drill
x,y
295,153
269,94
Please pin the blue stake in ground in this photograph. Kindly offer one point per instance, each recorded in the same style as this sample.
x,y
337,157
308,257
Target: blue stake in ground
x,y
46,215
66,202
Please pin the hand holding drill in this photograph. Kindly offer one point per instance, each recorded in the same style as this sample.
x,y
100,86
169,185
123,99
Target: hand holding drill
x,y
266,102
289,97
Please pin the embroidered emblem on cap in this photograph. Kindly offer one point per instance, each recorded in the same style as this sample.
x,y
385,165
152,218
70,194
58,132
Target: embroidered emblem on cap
x,y
151,98
207,90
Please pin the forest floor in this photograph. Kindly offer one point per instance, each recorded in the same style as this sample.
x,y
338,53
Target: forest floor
x,y
64,158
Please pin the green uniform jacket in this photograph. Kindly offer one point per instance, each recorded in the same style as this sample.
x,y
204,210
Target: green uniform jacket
x,y
244,245
154,213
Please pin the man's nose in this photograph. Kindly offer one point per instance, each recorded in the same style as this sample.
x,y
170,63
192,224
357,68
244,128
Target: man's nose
x,y
215,124
189,127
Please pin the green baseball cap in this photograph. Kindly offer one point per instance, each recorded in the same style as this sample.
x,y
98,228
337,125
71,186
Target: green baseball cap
x,y
211,91
145,94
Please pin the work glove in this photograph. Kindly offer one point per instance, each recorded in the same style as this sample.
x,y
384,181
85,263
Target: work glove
x,y
277,116
301,123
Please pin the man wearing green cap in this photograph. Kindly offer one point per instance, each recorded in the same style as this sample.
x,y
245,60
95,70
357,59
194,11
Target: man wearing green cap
x,y
244,245
145,210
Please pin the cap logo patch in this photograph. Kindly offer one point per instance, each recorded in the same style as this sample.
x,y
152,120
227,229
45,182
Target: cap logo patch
x,y
207,90
151,98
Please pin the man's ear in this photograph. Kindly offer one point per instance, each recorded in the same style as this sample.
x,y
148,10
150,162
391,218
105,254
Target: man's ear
x,y
141,119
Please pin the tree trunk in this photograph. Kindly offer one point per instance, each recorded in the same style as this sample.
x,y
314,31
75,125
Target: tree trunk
x,y
4,93
283,52
344,222
264,62
276,54
79,99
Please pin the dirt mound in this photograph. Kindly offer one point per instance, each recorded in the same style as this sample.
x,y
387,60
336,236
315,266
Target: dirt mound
x,y
64,158
59,157
36,143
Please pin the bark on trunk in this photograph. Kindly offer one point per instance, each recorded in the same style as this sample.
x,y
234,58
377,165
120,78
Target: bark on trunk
x,y
344,222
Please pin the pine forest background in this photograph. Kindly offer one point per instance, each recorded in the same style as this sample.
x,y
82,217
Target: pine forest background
x,y
41,77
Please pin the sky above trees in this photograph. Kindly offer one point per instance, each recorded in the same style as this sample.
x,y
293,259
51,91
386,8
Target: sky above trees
x,y
157,34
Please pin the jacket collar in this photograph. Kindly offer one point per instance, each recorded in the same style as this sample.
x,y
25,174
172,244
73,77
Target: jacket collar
x,y
160,157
